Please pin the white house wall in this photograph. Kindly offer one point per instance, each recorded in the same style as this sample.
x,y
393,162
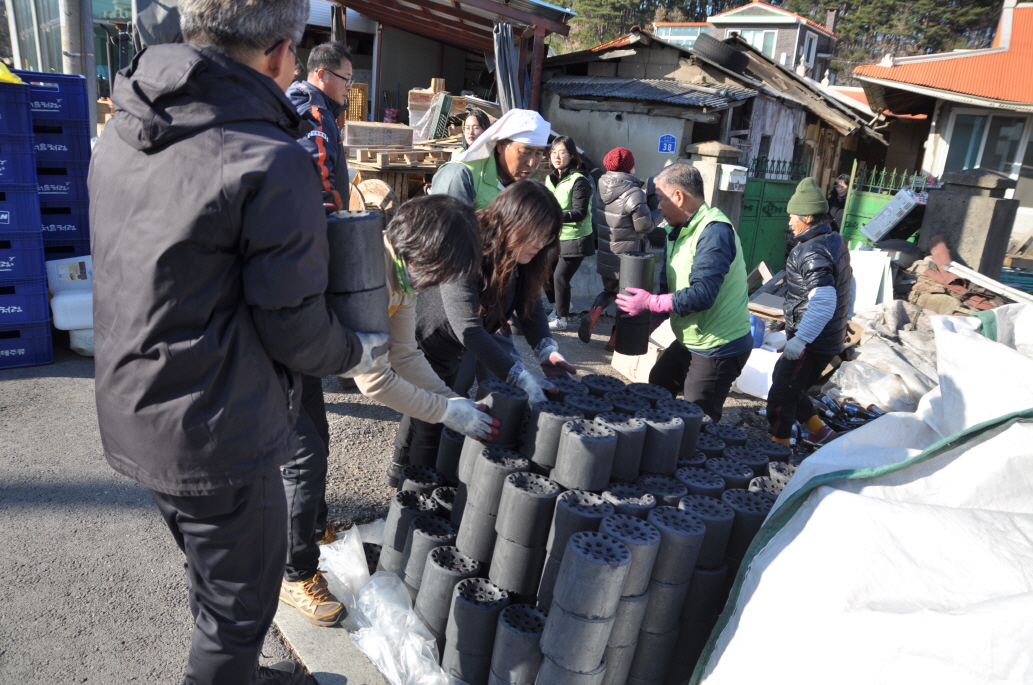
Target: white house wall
x,y
599,132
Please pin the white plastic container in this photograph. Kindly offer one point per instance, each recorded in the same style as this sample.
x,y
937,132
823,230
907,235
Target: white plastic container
x,y
755,378
73,309
890,215
70,273
81,341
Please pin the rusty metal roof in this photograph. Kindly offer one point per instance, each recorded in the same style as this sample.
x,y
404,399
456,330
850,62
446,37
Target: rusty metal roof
x,y
1000,73
666,91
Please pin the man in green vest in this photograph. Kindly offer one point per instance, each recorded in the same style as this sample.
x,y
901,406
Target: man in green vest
x,y
706,295
509,151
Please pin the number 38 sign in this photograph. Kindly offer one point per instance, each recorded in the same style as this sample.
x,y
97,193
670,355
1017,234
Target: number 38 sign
x,y
668,145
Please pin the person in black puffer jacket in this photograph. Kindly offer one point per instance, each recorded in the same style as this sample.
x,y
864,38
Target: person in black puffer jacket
x,y
818,304
623,220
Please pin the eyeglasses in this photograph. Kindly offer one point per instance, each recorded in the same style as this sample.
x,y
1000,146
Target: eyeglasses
x,y
278,43
347,81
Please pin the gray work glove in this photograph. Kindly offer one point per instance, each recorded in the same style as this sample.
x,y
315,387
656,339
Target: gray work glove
x,y
373,345
534,386
794,348
470,419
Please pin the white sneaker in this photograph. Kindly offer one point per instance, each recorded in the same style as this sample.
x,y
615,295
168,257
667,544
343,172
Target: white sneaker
x,y
552,316
558,324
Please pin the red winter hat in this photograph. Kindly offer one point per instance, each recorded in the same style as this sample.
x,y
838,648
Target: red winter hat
x,y
619,159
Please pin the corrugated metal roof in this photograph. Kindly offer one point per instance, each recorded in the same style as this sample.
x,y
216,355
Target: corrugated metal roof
x,y
666,91
995,74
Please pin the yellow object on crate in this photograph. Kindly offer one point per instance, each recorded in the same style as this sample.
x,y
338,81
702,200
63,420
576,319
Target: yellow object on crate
x,y
6,76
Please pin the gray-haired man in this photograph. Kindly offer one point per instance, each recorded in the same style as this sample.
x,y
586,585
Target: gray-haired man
x,y
210,243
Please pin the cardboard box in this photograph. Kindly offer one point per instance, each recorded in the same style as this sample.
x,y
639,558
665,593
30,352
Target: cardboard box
x,y
367,133
637,368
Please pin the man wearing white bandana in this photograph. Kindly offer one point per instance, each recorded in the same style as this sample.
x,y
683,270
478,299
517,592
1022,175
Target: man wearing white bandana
x,y
509,151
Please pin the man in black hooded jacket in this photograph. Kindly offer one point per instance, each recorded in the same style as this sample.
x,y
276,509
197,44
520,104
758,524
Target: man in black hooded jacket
x,y
210,254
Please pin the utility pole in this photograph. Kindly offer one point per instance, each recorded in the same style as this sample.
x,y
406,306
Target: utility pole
x,y
77,55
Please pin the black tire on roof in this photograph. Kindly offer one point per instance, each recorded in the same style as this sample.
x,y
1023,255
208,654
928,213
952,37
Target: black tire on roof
x,y
720,53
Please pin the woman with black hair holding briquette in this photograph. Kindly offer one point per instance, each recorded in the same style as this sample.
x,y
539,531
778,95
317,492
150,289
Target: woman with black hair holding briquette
x,y
573,190
516,232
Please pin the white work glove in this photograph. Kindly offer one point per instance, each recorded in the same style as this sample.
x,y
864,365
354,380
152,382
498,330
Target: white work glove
x,y
534,386
373,345
554,364
794,348
470,419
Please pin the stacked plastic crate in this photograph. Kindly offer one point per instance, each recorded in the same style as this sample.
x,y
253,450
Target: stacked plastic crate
x,y
61,132
24,311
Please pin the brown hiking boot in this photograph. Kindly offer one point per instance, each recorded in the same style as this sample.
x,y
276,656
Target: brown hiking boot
x,y
329,534
588,322
612,343
313,600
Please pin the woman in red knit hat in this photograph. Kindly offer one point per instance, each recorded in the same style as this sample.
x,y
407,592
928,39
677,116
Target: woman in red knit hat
x,y
623,220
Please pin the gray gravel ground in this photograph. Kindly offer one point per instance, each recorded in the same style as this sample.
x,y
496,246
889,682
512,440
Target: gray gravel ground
x,y
94,588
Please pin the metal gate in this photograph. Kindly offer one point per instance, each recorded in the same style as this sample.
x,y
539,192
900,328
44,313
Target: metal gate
x,y
763,225
870,191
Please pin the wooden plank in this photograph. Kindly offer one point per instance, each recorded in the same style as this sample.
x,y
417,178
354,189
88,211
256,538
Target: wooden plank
x,y
1016,262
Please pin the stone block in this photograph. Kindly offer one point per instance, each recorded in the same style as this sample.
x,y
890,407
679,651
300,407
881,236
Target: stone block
x,y
977,229
628,69
602,69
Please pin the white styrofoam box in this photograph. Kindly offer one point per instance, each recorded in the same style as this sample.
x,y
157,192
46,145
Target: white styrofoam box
x,y
755,378
70,273
73,309
890,215
732,178
81,341
776,340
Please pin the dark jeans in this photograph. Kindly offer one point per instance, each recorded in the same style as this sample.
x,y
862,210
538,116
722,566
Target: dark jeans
x,y
787,398
304,481
558,289
705,381
235,544
416,441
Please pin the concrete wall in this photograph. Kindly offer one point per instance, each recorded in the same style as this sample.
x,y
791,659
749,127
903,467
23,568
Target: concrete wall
x,y
599,132
410,61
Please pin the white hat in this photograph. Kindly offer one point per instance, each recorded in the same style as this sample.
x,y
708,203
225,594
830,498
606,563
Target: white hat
x,y
519,125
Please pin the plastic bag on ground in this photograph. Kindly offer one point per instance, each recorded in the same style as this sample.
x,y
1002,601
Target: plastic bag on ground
x,y
393,637
868,385
344,563
892,359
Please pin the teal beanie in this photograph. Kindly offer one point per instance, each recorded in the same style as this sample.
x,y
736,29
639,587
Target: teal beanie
x,y
808,199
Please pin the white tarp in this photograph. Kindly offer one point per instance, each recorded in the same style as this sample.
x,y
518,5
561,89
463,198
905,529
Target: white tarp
x,y
903,552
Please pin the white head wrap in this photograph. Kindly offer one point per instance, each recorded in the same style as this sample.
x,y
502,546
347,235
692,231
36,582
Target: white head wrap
x,y
519,125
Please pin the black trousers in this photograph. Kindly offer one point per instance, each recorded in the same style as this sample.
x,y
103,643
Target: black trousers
x,y
558,289
235,544
304,481
787,398
705,381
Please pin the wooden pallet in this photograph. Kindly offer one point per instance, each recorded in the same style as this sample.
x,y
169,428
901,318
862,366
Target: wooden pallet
x,y
397,157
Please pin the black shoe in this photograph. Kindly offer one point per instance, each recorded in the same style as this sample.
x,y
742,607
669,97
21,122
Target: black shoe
x,y
394,474
283,673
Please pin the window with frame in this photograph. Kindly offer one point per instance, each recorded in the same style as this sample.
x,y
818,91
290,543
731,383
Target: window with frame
x,y
761,40
684,36
985,141
810,49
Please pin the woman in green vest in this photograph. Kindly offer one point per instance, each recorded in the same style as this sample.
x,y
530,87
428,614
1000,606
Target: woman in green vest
x,y
509,151
569,183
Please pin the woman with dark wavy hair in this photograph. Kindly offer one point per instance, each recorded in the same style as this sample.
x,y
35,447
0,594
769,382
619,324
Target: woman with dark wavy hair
x,y
518,232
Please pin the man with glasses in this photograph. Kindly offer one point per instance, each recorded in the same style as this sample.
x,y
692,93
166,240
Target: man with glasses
x,y
321,98
211,247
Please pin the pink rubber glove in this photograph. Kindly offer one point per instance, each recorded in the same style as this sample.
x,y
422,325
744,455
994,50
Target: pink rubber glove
x,y
641,301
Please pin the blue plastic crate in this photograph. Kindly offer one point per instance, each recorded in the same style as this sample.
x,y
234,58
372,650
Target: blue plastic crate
x,y
15,115
60,249
61,141
65,220
25,345
19,209
24,301
56,96
62,181
17,160
21,255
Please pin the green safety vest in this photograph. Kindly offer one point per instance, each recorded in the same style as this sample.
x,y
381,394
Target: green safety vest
x,y
485,181
564,192
729,318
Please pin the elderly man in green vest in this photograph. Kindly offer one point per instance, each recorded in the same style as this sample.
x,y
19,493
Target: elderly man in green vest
x,y
509,151
706,294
